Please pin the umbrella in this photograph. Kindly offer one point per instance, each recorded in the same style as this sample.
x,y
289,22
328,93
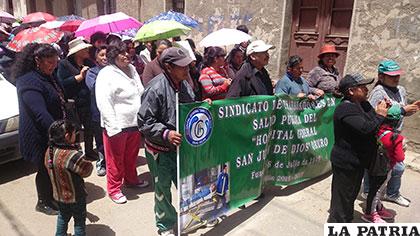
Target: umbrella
x,y
62,25
161,29
224,37
34,35
70,18
176,16
107,23
6,17
38,17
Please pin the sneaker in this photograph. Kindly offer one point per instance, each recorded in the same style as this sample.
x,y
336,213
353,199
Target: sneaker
x,y
141,184
364,195
372,218
168,233
101,171
118,198
400,200
386,214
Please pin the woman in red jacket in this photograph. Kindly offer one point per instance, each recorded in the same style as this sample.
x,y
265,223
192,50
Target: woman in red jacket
x,y
214,78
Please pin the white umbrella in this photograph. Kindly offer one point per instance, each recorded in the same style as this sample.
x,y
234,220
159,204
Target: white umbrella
x,y
224,37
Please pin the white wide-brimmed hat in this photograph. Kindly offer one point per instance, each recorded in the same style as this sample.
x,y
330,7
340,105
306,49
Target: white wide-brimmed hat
x,y
76,45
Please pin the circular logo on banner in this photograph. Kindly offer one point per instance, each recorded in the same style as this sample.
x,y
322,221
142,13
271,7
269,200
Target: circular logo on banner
x,y
198,126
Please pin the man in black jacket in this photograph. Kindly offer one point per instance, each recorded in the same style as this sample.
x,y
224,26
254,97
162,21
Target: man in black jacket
x,y
355,126
157,122
253,78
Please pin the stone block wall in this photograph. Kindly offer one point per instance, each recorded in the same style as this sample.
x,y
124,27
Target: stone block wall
x,y
266,20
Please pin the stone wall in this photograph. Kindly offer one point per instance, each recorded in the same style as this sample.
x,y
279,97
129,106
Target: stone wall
x,y
267,20
130,7
150,8
387,29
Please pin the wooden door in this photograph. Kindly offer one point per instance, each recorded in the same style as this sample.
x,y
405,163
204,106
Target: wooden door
x,y
317,22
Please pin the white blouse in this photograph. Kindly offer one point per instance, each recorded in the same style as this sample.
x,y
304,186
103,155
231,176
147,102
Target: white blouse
x,y
118,98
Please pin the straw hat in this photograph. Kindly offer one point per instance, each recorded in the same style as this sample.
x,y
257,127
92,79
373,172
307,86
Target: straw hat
x,y
76,45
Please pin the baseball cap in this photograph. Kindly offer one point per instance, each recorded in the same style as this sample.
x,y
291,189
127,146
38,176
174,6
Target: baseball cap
x,y
258,46
353,80
176,56
389,67
394,112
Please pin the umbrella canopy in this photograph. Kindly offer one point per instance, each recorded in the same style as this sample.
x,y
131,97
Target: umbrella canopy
x,y
176,16
161,29
38,17
70,18
70,26
111,23
6,17
34,35
224,37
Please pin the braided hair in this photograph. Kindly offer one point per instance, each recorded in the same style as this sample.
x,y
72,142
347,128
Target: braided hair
x,y
57,137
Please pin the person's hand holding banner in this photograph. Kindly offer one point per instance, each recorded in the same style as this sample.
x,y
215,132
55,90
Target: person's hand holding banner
x,y
174,137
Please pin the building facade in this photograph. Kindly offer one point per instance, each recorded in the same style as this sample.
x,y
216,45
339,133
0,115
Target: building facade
x,y
364,31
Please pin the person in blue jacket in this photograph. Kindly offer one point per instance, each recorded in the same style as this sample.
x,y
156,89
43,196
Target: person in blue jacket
x,y
294,84
222,187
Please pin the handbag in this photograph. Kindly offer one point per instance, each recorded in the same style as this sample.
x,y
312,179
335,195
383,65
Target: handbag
x,y
71,112
380,165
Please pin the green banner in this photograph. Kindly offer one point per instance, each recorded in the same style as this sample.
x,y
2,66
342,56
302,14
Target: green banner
x,y
233,147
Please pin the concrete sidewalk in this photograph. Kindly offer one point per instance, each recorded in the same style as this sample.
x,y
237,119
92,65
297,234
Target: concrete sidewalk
x,y
412,160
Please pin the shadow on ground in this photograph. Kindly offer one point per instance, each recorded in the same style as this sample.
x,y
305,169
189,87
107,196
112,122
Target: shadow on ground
x,y
132,192
94,191
15,170
240,216
99,229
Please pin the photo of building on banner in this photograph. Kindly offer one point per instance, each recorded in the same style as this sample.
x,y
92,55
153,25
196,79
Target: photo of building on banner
x,y
233,148
204,197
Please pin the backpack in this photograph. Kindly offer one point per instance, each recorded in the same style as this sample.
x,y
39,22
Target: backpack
x,y
380,165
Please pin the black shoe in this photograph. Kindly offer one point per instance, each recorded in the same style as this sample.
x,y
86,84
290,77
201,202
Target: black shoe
x,y
43,208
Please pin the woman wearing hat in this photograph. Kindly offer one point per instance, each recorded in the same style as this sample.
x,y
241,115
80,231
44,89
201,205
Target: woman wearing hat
x,y
71,73
388,88
325,76
355,125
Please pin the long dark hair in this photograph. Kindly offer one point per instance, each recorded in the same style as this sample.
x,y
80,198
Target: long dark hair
x,y
211,54
25,60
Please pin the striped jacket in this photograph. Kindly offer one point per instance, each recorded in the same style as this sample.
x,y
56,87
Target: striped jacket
x,y
212,83
67,170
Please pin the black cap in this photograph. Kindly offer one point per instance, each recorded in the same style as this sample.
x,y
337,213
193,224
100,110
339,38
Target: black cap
x,y
175,56
353,80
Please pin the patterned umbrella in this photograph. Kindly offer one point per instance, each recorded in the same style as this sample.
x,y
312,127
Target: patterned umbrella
x,y
34,35
5,17
70,18
176,16
38,16
110,23
70,26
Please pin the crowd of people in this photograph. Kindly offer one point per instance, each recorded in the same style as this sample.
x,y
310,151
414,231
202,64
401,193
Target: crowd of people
x,y
120,95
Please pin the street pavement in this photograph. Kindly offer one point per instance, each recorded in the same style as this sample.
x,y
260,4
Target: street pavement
x,y
296,210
